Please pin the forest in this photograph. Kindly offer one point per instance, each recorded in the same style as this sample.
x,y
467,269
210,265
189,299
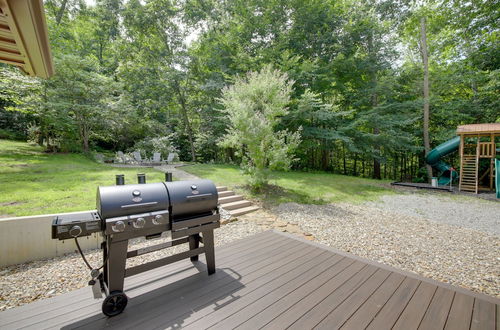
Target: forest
x,y
373,84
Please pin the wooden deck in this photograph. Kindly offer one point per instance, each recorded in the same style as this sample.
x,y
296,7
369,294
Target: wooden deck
x,y
271,281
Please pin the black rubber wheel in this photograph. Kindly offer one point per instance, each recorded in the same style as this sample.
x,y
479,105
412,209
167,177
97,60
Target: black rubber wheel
x,y
114,304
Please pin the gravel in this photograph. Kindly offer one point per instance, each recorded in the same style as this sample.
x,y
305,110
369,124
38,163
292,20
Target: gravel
x,y
25,283
448,239
456,255
460,211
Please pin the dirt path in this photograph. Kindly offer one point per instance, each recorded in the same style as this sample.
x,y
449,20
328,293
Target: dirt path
x,y
177,172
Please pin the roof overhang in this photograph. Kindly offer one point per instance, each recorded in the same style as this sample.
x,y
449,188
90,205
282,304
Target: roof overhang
x,y
24,38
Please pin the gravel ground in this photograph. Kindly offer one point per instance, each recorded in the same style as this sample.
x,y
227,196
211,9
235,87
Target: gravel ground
x,y
460,211
28,282
450,240
460,256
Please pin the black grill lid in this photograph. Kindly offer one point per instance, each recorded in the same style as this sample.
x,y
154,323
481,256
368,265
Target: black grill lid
x,y
192,198
115,201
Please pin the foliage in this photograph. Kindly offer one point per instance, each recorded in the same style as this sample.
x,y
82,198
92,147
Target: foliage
x,y
130,71
254,105
77,97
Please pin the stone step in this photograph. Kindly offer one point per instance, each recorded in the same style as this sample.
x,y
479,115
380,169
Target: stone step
x,y
236,205
229,199
226,193
221,188
244,210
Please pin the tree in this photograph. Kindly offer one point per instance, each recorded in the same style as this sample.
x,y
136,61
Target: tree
x,y
254,105
79,95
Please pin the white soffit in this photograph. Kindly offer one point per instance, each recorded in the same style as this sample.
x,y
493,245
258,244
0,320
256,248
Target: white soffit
x,y
24,38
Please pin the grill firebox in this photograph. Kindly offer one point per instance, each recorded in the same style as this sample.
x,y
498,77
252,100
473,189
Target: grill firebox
x,y
188,209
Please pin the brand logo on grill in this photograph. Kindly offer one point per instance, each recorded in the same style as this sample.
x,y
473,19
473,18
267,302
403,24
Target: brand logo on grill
x,y
137,196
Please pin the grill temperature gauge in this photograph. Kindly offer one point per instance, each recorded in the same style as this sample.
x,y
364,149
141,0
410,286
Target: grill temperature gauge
x,y
159,219
75,231
118,227
139,223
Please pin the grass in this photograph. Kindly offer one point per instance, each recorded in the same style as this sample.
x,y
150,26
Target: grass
x,y
34,182
300,187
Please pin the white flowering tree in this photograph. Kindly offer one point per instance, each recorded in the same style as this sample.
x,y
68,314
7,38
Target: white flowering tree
x,y
254,105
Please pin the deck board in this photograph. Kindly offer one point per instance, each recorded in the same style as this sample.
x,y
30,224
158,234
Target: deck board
x,y
365,314
460,313
416,308
439,308
340,314
270,281
260,319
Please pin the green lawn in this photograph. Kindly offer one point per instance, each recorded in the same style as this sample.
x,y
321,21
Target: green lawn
x,y
300,187
34,182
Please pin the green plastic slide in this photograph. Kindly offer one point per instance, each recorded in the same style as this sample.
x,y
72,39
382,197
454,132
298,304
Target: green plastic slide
x,y
497,176
434,159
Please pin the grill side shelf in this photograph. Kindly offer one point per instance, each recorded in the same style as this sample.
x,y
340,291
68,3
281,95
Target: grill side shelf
x,y
86,224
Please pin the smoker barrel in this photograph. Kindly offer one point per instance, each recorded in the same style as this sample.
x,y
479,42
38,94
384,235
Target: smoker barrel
x,y
191,198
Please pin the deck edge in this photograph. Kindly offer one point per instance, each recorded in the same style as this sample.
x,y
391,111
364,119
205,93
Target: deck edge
x,y
415,276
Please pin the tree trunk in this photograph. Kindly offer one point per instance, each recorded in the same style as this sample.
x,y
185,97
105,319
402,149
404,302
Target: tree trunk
x,y
374,101
60,12
344,160
185,119
354,168
324,157
85,141
376,162
84,132
425,61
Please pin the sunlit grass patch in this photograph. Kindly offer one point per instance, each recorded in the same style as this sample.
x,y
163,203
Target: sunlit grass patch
x,y
293,186
34,182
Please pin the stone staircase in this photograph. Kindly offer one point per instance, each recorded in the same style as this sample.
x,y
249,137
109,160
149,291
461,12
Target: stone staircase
x,y
236,205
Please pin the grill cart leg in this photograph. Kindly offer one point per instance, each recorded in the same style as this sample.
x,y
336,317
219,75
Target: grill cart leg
x,y
114,275
194,243
115,265
208,242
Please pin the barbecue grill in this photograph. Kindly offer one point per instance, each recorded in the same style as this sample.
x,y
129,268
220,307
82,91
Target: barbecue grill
x,y
188,209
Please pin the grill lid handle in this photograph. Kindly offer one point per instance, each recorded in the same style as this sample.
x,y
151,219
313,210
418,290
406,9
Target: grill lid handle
x,y
129,206
195,197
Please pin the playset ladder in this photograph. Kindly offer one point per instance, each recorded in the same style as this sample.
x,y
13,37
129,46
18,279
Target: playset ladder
x,y
469,173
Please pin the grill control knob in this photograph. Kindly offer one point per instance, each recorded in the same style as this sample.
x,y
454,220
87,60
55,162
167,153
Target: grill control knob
x,y
159,219
139,223
75,231
118,227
